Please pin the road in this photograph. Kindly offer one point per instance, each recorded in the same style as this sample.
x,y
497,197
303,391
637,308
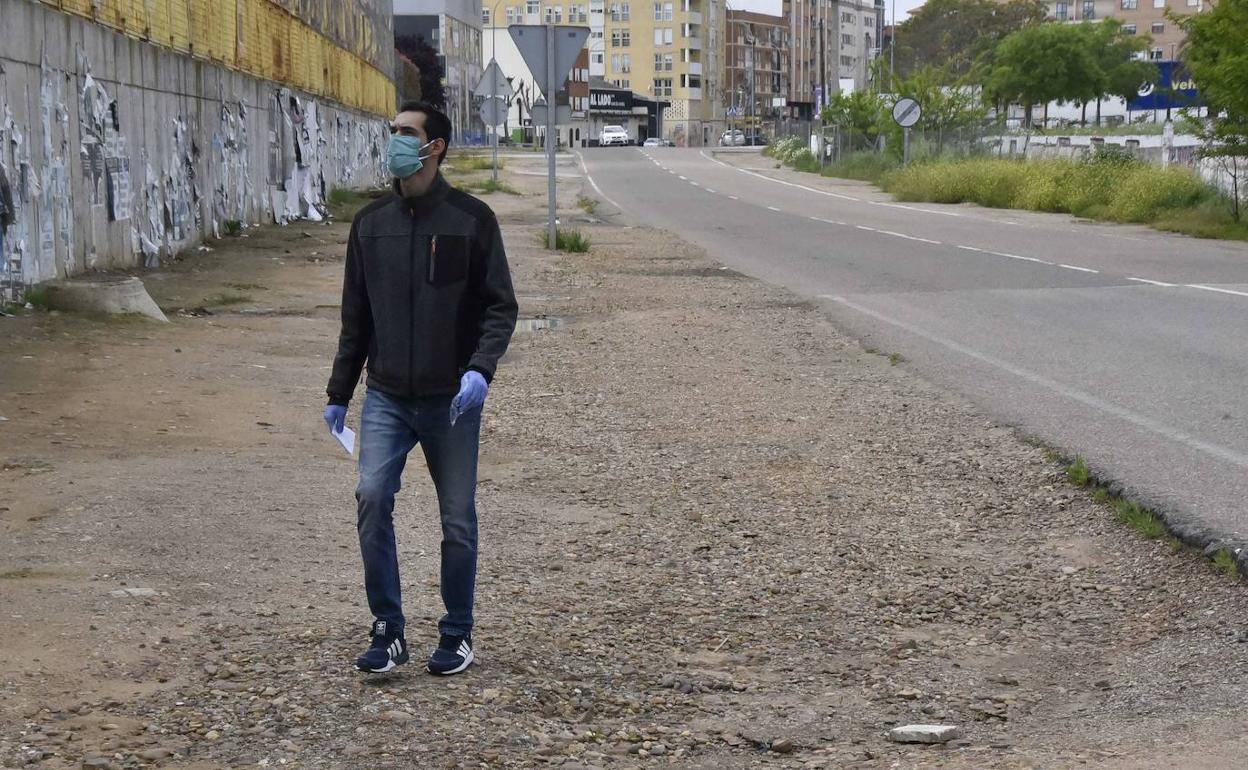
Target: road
x,y
1121,344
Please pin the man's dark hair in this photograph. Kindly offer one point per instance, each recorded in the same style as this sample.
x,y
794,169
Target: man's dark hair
x,y
437,124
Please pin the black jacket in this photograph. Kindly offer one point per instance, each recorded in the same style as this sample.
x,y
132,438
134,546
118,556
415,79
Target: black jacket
x,y
427,295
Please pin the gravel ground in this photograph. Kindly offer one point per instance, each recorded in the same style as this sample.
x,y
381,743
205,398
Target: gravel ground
x,y
716,533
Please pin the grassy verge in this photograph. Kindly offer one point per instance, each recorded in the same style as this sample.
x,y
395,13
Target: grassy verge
x,y
474,162
1131,514
1110,187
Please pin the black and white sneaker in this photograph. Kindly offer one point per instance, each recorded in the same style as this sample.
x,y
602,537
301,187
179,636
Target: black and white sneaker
x,y
454,654
389,649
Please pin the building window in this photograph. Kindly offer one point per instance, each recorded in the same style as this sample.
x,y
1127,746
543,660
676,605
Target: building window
x,y
663,87
532,7
626,63
1128,29
1155,54
662,11
663,62
620,12
1089,9
554,15
621,38
663,36
847,61
1061,11
1159,3
511,16
485,17
1130,5
597,58
848,18
847,40
1158,28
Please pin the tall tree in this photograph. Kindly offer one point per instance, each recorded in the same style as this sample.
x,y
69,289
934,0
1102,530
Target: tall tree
x,y
1119,71
425,57
1044,63
956,34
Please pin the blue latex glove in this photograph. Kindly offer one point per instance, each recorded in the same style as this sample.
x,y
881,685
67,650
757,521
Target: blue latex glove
x,y
472,392
335,417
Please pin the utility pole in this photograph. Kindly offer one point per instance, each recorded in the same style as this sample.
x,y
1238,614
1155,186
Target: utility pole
x,y
823,64
892,50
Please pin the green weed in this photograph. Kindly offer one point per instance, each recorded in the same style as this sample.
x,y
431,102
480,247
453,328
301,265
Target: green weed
x,y
863,166
588,205
38,298
491,186
477,163
233,227
896,358
1141,520
567,240
1078,473
1224,562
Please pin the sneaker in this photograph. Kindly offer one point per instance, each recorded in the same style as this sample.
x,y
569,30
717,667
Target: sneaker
x,y
454,654
387,650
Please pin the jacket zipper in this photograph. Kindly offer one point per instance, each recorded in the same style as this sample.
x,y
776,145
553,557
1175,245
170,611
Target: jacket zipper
x,y
411,310
433,256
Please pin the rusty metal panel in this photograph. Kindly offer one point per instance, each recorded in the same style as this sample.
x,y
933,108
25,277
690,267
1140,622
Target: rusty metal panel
x,y
180,25
77,7
134,18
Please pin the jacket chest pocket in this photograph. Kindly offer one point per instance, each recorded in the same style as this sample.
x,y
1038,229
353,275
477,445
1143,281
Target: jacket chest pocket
x,y
448,259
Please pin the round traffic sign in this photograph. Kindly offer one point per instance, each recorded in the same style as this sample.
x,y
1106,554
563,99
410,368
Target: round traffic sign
x,y
494,111
907,112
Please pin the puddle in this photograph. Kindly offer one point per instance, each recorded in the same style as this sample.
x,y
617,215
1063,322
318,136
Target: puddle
x,y
529,325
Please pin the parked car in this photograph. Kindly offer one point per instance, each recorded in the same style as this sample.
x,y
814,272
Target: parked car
x,y
614,136
757,140
733,137
655,141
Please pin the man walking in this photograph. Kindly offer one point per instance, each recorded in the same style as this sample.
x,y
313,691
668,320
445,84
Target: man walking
x,y
427,302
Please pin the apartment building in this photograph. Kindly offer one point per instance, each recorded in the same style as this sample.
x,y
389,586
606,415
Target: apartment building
x,y
453,27
832,46
671,51
1141,17
758,68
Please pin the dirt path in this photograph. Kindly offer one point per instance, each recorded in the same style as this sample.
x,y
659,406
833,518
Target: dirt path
x,y
711,525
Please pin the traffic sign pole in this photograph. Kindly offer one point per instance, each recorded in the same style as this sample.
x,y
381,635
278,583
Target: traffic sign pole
x,y
551,109
494,129
905,161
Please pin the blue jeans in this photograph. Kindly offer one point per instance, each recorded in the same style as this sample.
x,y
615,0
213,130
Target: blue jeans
x,y
390,428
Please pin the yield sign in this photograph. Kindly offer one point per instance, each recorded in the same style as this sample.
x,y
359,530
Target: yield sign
x,y
493,83
531,41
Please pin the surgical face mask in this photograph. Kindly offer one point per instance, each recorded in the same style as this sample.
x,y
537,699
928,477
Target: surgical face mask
x,y
403,155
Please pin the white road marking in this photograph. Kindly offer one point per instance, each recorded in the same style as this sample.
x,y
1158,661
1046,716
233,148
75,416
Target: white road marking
x,y
594,184
684,179
916,208
695,184
712,192
1080,269
780,181
1215,288
1138,420
969,248
1017,256
773,208
911,237
868,229
733,197
1154,283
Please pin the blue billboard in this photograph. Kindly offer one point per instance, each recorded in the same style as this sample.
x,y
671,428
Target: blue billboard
x,y
1174,89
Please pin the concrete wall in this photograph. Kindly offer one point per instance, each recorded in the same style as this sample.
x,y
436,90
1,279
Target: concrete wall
x,y
121,153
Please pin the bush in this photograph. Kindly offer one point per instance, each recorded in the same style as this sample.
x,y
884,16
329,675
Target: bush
x,y
865,166
1104,187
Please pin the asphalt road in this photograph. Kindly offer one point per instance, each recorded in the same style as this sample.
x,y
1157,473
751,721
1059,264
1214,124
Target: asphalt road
x,y
1124,345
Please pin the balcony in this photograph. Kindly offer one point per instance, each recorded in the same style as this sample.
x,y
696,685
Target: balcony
x,y
694,93
695,68
693,43
694,17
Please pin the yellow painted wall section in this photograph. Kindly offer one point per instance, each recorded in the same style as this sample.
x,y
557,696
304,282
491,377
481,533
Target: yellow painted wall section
x,y
259,37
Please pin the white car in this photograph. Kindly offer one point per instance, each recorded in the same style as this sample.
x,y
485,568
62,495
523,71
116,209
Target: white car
x,y
654,141
613,136
733,137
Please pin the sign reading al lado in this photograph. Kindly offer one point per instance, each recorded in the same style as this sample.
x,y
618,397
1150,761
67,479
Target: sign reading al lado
x,y
1174,89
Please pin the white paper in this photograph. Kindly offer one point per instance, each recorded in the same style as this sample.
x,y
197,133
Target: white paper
x,y
346,438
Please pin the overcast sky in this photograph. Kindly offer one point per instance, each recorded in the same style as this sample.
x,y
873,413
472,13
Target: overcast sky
x,y
774,7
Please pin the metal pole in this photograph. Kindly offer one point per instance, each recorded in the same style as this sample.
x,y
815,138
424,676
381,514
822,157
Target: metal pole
x,y
892,50
551,107
494,85
906,149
